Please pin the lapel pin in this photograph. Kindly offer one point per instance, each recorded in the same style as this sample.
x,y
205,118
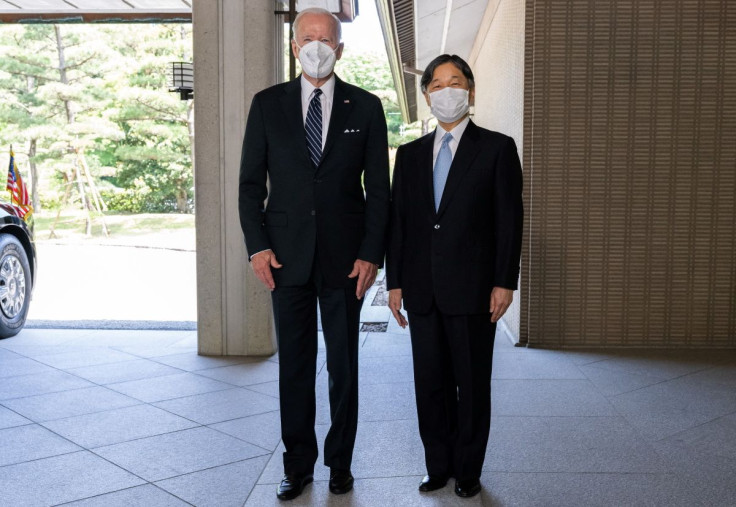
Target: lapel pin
x,y
346,101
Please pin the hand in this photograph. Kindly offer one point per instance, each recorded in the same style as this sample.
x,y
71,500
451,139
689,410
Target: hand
x,y
366,273
262,262
500,301
394,303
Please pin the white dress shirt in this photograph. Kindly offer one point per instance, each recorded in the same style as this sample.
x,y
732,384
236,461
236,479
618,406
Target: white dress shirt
x,y
456,132
328,92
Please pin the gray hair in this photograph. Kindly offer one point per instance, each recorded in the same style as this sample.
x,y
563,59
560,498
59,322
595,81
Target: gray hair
x,y
317,10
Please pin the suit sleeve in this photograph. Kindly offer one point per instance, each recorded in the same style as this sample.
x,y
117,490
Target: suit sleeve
x,y
509,217
396,228
377,188
252,190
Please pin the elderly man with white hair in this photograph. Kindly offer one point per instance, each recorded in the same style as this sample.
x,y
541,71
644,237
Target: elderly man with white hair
x,y
316,234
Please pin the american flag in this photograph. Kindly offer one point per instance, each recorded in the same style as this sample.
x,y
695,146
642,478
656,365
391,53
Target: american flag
x,y
17,189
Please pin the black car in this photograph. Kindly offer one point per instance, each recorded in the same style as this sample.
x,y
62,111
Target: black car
x,y
17,268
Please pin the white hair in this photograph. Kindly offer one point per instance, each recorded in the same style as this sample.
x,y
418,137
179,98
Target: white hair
x,y
317,10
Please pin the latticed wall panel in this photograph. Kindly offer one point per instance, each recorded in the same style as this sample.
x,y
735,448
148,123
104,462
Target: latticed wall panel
x,y
630,174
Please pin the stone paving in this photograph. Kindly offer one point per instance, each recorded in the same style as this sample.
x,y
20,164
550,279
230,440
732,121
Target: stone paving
x,y
90,417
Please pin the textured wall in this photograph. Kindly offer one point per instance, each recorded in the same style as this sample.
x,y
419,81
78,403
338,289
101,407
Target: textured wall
x,y
630,173
499,75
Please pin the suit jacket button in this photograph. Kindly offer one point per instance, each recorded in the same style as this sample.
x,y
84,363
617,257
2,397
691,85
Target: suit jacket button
x,y
436,226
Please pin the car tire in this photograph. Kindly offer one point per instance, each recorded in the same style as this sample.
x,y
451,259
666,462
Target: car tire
x,y
15,286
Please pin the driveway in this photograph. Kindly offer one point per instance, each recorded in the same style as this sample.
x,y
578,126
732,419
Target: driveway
x,y
107,286
91,282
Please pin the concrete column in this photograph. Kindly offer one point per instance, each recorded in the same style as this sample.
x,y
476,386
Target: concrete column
x,y
233,59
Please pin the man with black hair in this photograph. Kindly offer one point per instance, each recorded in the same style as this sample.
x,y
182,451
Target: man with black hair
x,y
453,258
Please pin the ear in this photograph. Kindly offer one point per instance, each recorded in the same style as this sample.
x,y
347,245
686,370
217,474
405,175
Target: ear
x,y
338,53
471,97
294,48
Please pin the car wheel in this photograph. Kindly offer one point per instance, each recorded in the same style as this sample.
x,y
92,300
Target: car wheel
x,y
15,286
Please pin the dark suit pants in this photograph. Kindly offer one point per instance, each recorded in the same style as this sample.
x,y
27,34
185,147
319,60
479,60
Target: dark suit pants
x,y
453,356
295,314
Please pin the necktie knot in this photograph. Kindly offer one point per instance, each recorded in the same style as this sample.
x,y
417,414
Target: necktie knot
x,y
317,93
446,139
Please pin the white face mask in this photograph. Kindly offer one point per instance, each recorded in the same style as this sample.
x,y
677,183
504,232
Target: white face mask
x,y
317,59
449,104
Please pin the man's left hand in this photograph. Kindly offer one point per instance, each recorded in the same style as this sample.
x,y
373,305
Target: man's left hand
x,y
500,301
366,273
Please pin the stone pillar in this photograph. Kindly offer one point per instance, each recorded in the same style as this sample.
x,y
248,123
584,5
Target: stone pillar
x,y
233,59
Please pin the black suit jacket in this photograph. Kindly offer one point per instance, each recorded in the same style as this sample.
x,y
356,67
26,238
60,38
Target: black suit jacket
x,y
455,256
304,209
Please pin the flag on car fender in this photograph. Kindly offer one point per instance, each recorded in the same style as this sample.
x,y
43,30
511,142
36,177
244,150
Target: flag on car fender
x,y
17,189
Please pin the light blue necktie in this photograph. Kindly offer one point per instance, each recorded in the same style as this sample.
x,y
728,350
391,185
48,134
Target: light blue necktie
x,y
442,169
313,126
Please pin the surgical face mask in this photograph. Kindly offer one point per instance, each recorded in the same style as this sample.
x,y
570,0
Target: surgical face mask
x,y
449,104
317,59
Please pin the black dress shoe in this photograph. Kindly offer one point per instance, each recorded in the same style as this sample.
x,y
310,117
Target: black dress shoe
x,y
341,481
467,488
292,486
431,483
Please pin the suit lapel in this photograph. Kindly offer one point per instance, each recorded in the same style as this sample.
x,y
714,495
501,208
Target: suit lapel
x,y
341,106
467,149
291,105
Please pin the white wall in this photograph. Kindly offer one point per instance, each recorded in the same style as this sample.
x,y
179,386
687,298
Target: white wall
x,y
497,60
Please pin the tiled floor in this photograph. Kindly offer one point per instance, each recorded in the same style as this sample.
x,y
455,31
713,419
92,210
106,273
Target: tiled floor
x,y
137,418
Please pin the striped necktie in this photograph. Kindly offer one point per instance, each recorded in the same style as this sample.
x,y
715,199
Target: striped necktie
x,y
313,126
442,169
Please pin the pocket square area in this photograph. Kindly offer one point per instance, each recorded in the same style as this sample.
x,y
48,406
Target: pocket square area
x,y
351,131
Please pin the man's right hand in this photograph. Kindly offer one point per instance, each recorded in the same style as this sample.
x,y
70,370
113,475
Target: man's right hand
x,y
394,303
262,262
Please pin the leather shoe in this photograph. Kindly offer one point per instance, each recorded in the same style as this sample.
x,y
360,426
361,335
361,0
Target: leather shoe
x,y
467,488
431,483
292,486
341,481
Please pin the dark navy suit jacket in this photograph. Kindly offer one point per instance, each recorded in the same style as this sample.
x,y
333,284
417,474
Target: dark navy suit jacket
x,y
339,208
456,256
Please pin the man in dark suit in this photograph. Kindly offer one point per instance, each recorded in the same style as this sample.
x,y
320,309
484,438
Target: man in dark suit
x,y
319,239
453,256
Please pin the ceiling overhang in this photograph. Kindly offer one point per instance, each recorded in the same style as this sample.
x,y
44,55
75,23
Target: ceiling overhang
x,y
417,31
397,24
95,11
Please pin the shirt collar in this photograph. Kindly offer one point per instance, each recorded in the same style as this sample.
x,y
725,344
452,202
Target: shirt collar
x,y
328,88
457,132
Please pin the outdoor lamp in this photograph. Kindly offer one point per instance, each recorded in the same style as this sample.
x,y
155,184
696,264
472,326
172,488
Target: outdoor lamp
x,y
182,79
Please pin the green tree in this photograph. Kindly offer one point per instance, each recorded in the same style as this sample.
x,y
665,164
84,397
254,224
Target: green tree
x,y
154,162
52,86
371,72
99,92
